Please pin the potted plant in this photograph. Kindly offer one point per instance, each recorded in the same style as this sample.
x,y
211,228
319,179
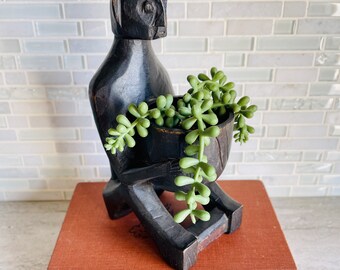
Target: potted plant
x,y
192,121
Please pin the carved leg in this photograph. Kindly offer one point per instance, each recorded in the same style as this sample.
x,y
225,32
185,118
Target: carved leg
x,y
178,246
113,195
228,205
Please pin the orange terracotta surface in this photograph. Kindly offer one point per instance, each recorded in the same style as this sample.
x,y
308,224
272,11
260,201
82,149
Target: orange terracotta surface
x,y
90,240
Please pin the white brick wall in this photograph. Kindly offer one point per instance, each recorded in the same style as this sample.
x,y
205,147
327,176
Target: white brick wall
x,y
284,54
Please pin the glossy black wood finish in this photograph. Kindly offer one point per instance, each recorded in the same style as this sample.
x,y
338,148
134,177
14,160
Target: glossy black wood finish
x,y
131,73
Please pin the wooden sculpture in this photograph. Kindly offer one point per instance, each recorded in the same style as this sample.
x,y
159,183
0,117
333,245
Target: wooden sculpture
x,y
131,73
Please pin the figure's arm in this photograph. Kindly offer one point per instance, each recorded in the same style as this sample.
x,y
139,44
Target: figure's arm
x,y
147,173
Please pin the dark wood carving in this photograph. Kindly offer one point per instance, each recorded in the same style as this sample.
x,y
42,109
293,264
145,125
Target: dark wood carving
x,y
131,73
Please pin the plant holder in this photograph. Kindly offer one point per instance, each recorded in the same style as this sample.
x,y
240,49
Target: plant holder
x,y
131,73
179,246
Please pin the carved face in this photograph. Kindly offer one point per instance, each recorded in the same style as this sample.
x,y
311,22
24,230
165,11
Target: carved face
x,y
139,19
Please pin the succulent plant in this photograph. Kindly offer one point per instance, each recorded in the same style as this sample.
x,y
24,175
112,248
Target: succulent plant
x,y
198,112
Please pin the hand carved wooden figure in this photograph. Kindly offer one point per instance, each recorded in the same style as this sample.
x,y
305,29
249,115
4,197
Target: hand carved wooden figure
x,y
131,73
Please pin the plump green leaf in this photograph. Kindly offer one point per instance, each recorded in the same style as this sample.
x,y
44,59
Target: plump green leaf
x,y
183,181
203,77
188,123
212,131
130,142
142,131
192,136
133,110
191,150
202,189
180,195
207,168
243,101
122,119
201,214
182,215
161,102
187,162
210,118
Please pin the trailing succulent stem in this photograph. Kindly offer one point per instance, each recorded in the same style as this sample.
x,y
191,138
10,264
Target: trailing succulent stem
x,y
198,112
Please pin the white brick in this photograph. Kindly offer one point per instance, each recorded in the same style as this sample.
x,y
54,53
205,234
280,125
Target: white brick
x,y
327,59
335,131
16,29
58,172
264,169
62,160
313,168
293,118
308,191
308,180
57,28
74,62
246,9
329,74
90,45
323,9
8,62
15,78
198,10
191,61
332,43
40,62
30,11
3,123
249,75
100,160
13,185
8,135
87,10
234,60
65,107
9,173
232,44
330,180
276,90
307,131
277,131
49,78
37,184
34,196
10,161
318,26
185,44
278,191
272,156
335,191
280,59
280,180
17,121
27,148
66,93
47,134
249,27
175,10
32,107
32,160
201,28
44,46
288,43
94,28
60,121
285,27
4,108
325,89
308,144
87,173
268,144
296,75
294,9
89,134
333,156
75,147
302,104
82,77
62,184
332,118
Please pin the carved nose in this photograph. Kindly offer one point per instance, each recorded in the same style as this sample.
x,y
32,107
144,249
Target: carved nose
x,y
161,26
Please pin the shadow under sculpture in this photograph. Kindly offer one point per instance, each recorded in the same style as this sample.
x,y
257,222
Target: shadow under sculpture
x,y
131,73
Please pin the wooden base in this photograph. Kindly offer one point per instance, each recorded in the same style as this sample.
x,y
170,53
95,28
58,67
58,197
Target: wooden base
x,y
90,240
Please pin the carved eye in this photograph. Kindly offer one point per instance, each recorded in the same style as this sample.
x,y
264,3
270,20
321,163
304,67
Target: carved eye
x,y
148,7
